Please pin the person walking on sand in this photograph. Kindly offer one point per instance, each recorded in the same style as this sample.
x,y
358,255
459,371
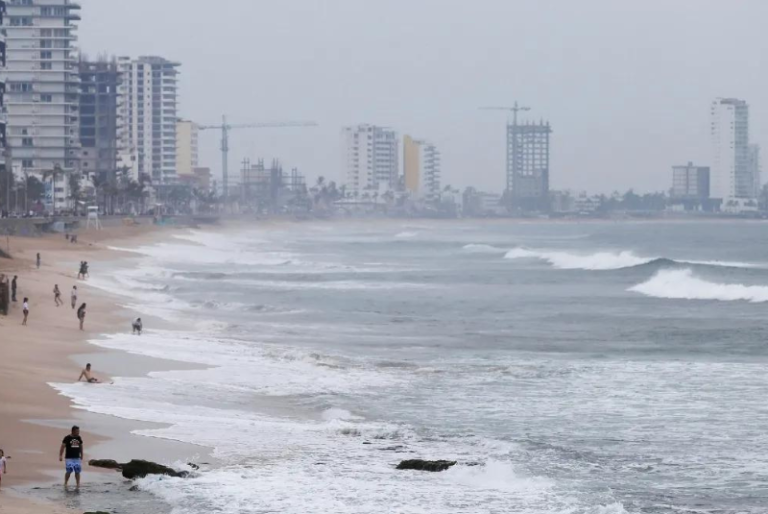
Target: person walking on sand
x,y
71,453
81,315
86,374
25,310
57,296
13,288
3,466
38,260
73,296
81,273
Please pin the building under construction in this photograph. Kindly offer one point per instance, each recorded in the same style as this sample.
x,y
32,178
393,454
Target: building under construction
x,y
269,190
528,166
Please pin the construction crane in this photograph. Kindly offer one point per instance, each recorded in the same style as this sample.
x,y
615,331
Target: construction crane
x,y
514,109
226,127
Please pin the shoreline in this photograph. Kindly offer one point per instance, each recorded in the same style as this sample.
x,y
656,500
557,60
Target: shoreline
x,y
34,416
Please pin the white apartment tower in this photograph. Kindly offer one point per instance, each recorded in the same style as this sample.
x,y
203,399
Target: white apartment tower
x,y
147,110
42,90
371,156
732,178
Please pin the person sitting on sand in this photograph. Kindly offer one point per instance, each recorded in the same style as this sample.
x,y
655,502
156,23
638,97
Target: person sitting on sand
x,y
137,326
86,374
3,466
81,315
57,295
25,310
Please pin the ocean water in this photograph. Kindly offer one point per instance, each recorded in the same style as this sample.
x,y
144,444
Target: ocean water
x,y
596,368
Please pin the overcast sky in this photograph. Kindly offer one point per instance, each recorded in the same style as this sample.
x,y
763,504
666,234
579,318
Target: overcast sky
x,y
626,85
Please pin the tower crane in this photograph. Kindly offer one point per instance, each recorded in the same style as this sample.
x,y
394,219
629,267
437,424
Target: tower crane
x,y
226,127
514,110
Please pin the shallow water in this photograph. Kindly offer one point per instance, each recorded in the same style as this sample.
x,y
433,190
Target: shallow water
x,y
569,368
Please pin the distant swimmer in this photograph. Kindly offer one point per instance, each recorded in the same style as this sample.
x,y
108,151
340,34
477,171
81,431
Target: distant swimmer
x,y
137,326
86,374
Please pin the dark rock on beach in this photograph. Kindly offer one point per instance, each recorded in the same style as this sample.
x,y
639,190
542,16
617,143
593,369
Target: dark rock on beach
x,y
138,468
105,463
142,468
426,465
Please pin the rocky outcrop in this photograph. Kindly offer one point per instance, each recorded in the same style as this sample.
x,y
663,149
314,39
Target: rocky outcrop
x,y
138,468
426,465
142,468
105,463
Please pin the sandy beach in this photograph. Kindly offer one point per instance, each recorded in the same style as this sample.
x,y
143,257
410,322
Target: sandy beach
x,y
49,349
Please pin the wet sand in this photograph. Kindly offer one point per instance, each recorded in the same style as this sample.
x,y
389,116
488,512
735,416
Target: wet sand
x,y
51,348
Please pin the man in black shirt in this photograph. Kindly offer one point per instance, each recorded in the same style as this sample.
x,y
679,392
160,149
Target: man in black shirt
x,y
71,452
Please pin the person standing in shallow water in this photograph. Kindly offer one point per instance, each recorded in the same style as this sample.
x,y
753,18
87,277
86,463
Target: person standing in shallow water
x,y
81,315
71,453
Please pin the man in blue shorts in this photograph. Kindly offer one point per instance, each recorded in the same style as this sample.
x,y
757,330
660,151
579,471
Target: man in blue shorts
x,y
71,452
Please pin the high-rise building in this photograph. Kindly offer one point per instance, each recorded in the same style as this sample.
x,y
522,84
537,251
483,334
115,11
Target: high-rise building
x,y
3,117
421,166
186,147
731,177
528,165
371,156
690,182
42,91
98,118
755,169
147,109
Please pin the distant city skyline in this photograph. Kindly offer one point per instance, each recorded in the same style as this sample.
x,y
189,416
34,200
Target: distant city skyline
x,y
627,89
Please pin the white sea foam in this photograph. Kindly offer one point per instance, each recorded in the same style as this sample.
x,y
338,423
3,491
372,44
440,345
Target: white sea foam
x,y
406,235
684,285
603,261
482,248
594,261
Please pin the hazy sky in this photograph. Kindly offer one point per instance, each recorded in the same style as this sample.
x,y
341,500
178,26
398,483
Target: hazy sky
x,y
626,85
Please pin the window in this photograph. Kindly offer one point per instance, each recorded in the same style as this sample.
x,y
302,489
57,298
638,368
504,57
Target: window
x,y
46,43
46,54
61,32
27,163
21,87
46,98
46,32
20,21
27,141
46,66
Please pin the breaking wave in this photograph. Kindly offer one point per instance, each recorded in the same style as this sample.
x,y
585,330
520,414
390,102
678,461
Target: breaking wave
x,y
480,248
682,284
602,261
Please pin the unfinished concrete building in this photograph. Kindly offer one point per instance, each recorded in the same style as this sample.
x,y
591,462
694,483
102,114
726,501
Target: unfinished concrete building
x,y
528,166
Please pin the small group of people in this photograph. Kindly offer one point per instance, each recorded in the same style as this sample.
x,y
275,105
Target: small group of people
x,y
83,272
57,296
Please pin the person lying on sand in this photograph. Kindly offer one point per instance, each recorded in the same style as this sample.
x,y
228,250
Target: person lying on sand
x,y
86,373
